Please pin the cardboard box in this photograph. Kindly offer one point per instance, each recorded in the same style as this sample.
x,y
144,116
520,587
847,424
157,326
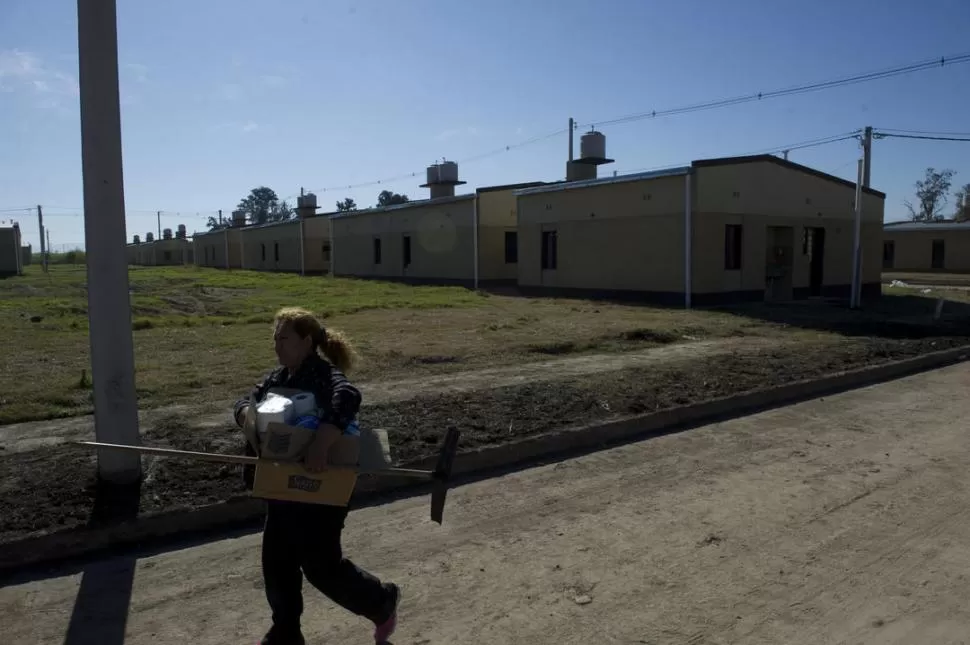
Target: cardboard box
x,y
280,473
281,442
290,481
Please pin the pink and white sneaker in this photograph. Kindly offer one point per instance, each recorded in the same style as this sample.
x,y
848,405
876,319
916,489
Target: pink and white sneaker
x,y
383,630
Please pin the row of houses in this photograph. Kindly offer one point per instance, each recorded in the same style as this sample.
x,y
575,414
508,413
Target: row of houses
x,y
171,249
715,230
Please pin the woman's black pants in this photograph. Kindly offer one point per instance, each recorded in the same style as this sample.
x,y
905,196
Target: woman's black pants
x,y
304,540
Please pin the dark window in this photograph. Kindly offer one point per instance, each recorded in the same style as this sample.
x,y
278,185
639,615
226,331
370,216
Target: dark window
x,y
262,249
407,251
206,253
550,250
377,250
888,254
939,258
732,247
276,251
511,247
167,255
326,252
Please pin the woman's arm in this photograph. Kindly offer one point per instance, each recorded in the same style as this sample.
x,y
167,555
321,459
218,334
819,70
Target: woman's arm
x,y
344,405
344,400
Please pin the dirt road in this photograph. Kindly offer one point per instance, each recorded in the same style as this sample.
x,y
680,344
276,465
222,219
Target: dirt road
x,y
843,520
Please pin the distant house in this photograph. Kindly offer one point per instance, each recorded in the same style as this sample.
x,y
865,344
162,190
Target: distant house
x,y
728,229
926,246
11,255
171,250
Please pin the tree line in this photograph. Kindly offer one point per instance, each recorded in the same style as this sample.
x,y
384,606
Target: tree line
x,y
262,205
931,198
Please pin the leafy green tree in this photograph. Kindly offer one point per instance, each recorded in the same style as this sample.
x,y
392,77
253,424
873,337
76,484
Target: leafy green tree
x,y
931,192
345,205
262,205
387,198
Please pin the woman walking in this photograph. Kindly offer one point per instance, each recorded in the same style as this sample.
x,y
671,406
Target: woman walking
x,y
302,539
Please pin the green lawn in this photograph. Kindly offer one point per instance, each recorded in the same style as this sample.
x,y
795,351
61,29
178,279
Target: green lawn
x,y
204,335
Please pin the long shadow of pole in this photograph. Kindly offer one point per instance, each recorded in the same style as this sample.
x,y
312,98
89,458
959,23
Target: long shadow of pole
x,y
100,614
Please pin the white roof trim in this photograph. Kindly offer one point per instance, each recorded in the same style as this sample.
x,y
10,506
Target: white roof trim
x,y
585,183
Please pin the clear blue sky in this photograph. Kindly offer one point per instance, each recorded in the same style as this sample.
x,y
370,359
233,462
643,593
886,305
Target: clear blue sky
x,y
219,96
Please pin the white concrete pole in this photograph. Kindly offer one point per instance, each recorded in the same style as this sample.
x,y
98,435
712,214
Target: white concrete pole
x,y
109,312
688,240
474,241
857,239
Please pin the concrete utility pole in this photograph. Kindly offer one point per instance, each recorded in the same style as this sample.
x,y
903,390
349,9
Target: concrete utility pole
x,y
854,297
572,125
158,218
866,155
40,226
109,307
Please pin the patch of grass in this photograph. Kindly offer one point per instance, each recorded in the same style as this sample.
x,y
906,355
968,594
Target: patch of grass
x,y
187,296
203,336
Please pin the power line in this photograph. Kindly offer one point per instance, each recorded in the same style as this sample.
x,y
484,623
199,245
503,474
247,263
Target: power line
x,y
928,132
883,135
811,143
806,144
942,61
798,89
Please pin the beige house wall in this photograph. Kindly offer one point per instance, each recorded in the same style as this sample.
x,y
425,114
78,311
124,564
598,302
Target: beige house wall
x,y
497,216
172,252
913,250
316,243
441,237
628,235
209,249
271,247
625,236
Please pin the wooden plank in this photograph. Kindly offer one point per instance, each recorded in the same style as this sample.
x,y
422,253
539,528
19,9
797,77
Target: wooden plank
x,y
243,459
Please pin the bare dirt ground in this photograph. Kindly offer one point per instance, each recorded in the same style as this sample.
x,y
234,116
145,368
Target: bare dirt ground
x,y
21,437
840,520
35,503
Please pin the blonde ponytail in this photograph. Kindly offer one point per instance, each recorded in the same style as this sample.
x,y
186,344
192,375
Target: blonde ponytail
x,y
338,349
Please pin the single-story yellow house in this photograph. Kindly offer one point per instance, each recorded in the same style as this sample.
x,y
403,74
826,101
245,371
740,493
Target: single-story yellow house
x,y
466,239
717,231
926,247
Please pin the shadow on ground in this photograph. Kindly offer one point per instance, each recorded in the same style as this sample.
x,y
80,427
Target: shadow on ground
x,y
897,317
101,608
100,613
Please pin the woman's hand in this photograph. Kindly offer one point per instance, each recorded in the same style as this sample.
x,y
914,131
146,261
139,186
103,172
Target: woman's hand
x,y
318,452
241,415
